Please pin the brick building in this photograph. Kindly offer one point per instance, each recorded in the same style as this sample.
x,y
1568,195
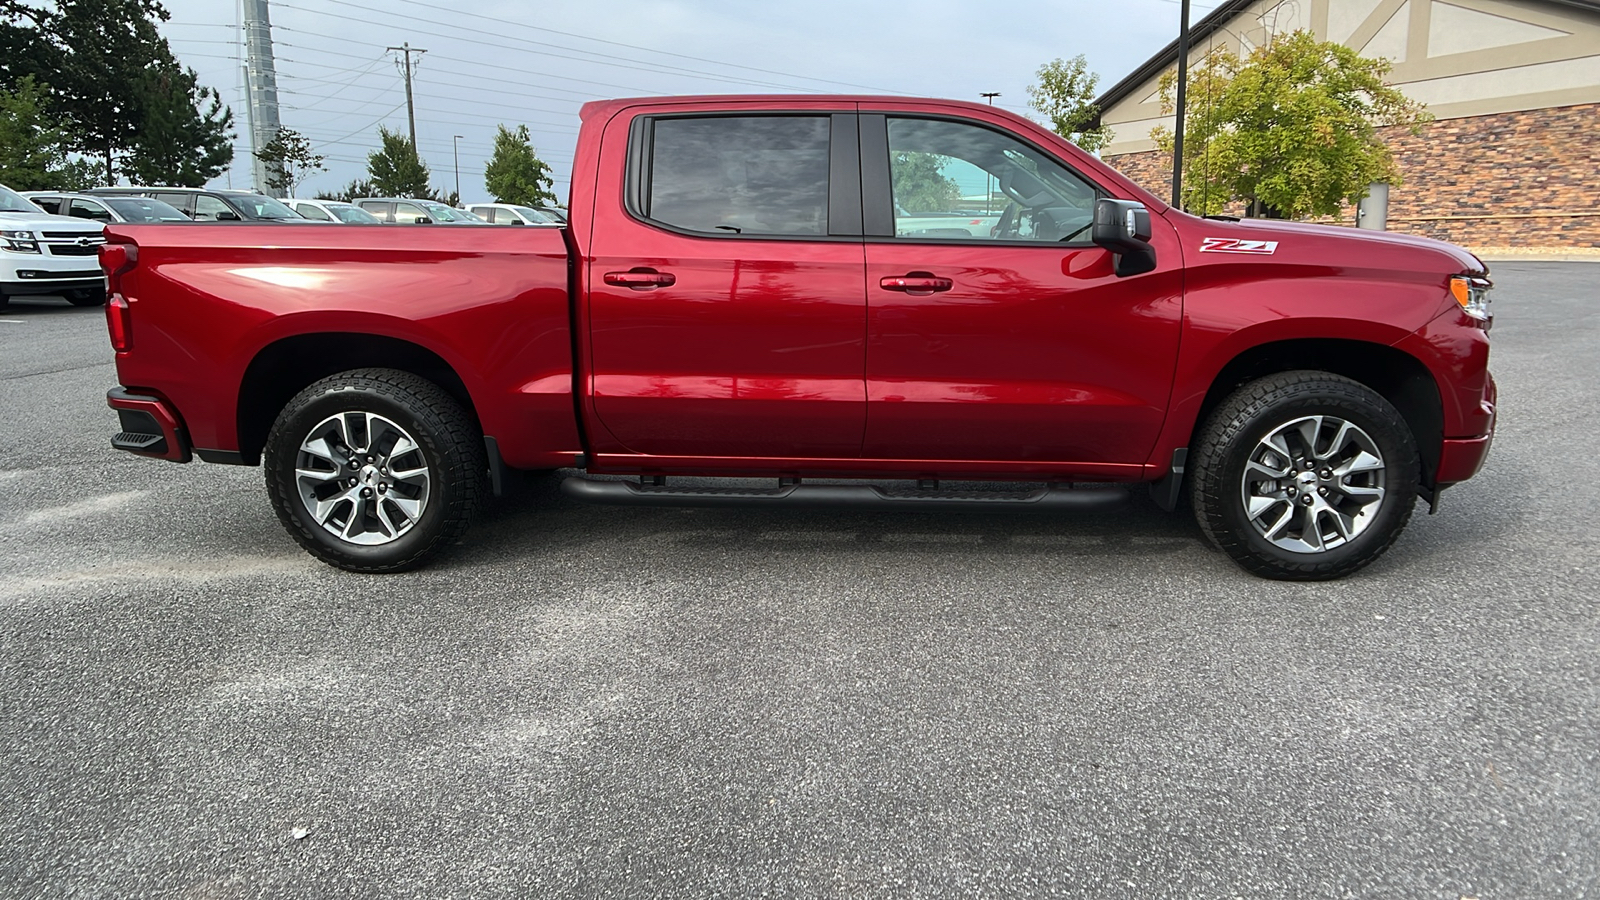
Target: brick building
x,y
1513,158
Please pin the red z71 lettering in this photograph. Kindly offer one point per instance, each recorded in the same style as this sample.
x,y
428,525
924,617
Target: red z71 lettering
x,y
1235,245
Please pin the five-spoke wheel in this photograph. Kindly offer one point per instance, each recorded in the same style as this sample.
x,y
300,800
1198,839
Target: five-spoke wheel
x,y
1304,475
374,470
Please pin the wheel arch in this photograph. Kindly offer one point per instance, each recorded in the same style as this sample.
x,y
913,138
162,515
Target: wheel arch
x,y
286,366
1397,376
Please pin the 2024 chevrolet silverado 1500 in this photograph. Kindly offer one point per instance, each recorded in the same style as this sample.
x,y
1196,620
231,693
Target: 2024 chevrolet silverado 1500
x,y
733,298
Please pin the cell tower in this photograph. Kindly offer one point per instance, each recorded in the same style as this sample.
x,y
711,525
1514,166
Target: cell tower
x,y
261,88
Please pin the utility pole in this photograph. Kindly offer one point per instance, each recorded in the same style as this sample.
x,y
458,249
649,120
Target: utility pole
x,y
988,180
455,148
411,111
1183,85
261,90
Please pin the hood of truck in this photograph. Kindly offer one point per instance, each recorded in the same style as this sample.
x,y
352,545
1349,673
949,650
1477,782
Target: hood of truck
x,y
40,221
1273,241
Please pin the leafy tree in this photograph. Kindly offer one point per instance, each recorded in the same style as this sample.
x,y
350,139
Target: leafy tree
x,y
33,154
395,168
187,135
357,188
289,160
1291,130
1065,96
515,173
919,185
115,83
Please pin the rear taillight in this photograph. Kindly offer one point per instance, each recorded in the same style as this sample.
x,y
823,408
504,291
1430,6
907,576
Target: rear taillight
x,y
119,320
115,260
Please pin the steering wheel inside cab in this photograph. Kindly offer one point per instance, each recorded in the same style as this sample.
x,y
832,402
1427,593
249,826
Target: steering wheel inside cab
x,y
1052,220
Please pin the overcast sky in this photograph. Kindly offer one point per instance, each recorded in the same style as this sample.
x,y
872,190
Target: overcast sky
x,y
499,61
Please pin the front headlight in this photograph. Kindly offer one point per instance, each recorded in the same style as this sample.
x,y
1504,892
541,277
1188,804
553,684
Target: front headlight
x,y
19,241
1472,293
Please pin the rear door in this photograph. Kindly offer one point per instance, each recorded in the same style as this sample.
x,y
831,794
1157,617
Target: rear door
x,y
726,307
996,329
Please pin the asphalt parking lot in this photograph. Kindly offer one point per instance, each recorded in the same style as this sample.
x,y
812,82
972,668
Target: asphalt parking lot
x,y
608,702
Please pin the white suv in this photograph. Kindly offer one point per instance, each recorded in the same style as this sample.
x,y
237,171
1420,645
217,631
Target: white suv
x,y
45,254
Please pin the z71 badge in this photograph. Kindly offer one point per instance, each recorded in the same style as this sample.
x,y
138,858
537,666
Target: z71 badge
x,y
1235,245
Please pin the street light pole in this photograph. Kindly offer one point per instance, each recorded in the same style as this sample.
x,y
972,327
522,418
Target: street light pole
x,y
988,180
1183,84
455,150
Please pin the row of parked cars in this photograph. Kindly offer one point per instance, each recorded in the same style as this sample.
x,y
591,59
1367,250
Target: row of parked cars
x,y
166,204
49,239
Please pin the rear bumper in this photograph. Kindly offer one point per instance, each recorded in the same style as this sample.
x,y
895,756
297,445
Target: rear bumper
x,y
1461,458
150,427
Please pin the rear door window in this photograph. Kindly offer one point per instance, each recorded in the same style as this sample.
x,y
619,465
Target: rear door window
x,y
88,209
727,175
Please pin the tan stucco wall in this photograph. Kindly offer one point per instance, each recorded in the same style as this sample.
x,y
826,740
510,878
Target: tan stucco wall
x,y
1462,58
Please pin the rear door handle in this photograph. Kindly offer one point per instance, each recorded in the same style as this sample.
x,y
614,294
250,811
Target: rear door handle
x,y
916,283
641,279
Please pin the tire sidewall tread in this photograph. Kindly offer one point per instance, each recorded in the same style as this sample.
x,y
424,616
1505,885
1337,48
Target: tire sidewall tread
x,y
1263,405
445,432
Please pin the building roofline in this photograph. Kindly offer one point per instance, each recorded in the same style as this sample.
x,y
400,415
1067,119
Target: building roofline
x,y
1211,24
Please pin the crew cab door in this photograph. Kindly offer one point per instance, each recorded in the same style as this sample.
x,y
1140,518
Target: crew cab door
x,y
996,330
726,310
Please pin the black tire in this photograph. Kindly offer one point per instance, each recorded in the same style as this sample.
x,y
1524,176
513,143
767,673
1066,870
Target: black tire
x,y
87,297
1270,407
4,302
444,435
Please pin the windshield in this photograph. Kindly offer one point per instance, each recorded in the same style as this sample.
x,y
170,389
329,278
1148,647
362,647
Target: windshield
x,y
441,213
144,209
353,215
11,201
260,206
533,215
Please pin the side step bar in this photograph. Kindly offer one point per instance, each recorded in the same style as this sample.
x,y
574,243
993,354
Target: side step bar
x,y
1051,499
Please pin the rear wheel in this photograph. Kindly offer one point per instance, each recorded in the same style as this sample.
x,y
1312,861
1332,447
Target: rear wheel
x,y
87,297
374,470
1305,476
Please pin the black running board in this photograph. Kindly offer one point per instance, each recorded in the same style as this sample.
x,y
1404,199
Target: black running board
x,y
1051,499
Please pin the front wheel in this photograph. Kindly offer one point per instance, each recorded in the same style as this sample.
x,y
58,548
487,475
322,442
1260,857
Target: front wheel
x,y
374,470
1304,476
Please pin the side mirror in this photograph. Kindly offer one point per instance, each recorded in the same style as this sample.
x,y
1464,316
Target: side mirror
x,y
422,220
228,216
1123,227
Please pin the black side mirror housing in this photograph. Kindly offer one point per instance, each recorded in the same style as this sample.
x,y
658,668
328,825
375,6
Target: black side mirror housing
x,y
422,220
1123,227
226,216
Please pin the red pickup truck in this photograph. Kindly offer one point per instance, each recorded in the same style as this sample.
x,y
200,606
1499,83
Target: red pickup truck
x,y
817,291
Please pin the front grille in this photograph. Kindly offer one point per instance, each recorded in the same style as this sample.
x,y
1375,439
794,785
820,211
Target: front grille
x,y
73,250
72,236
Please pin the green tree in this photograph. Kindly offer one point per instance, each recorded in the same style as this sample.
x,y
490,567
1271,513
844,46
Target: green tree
x,y
115,83
515,173
350,192
33,147
1291,130
289,160
1065,96
919,185
187,134
395,169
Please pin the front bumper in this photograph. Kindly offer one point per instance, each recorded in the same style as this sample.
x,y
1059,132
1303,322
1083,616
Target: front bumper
x,y
29,282
150,426
1461,458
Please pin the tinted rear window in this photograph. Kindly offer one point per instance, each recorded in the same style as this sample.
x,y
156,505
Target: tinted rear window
x,y
741,174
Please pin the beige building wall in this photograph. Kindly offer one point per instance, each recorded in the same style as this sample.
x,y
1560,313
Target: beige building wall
x,y
1463,58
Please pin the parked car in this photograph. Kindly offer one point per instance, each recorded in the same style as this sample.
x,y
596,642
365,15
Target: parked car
x,y
47,254
512,214
106,209
332,211
738,303
210,204
411,211
560,215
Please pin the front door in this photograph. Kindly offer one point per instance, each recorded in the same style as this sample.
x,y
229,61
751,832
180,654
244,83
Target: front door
x,y
726,308
996,330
